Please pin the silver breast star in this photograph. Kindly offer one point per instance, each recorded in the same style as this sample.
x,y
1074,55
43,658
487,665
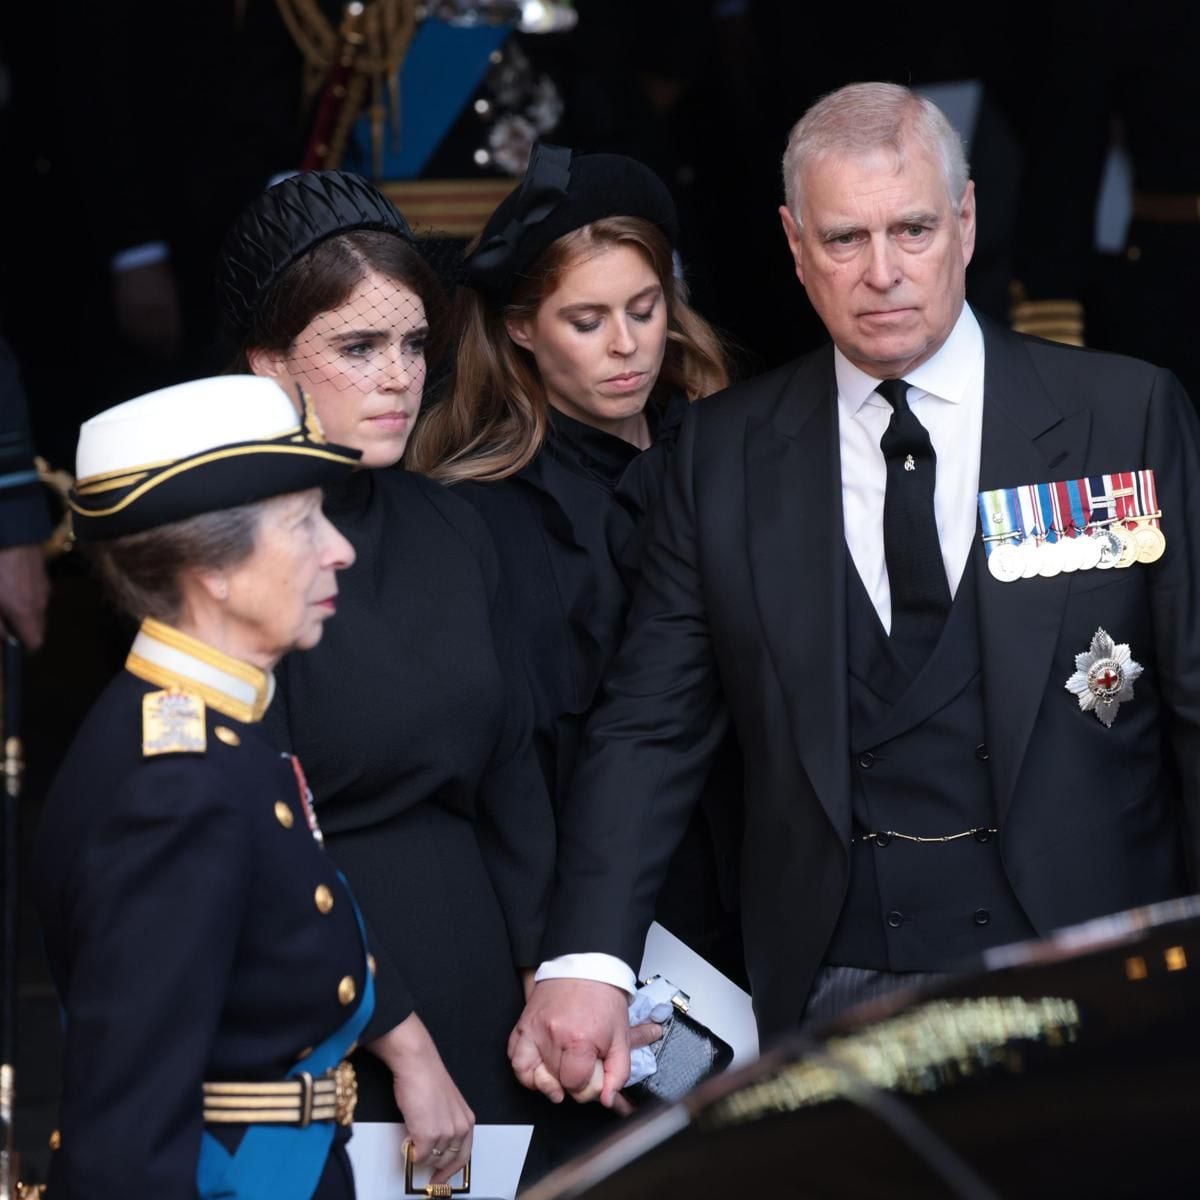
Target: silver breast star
x,y
1103,678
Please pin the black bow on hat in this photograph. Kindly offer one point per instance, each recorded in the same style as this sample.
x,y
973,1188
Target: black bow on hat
x,y
562,192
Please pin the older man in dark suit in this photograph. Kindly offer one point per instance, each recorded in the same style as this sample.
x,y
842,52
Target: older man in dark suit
x,y
921,782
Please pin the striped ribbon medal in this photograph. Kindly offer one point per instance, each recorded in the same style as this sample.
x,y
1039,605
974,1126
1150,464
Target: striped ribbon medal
x,y
1102,522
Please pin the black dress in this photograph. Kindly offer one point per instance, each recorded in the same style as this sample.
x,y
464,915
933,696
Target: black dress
x,y
416,745
569,530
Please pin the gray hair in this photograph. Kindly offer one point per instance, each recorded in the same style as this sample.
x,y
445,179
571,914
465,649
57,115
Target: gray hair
x,y
142,571
864,117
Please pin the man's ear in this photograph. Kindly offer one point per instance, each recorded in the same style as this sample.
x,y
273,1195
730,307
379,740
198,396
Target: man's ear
x,y
966,222
795,239
519,332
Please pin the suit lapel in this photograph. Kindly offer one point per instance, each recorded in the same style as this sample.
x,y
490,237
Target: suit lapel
x,y
798,566
1026,439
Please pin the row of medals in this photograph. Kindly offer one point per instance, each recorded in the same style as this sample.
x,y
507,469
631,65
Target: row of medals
x,y
1113,546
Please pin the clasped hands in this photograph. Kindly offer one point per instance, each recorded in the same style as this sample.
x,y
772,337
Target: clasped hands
x,y
574,1039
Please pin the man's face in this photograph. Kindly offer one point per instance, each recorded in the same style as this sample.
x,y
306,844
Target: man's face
x,y
883,255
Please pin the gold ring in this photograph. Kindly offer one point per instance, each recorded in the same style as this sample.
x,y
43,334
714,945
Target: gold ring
x,y
436,1153
453,1149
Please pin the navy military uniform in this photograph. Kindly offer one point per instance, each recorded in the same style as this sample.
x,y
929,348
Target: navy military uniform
x,y
209,958
196,932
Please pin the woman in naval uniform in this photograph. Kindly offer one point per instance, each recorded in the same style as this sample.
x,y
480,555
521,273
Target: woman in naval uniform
x,y
578,358
208,956
411,717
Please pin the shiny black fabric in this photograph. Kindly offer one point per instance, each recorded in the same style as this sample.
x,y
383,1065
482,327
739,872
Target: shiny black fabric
x,y
285,222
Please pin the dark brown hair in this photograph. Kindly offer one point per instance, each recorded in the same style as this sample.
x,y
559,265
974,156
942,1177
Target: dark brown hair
x,y
323,280
493,422
143,571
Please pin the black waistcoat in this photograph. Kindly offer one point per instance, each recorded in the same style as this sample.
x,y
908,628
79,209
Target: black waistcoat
x,y
920,767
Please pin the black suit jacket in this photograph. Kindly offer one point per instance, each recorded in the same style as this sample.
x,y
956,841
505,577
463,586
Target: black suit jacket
x,y
741,616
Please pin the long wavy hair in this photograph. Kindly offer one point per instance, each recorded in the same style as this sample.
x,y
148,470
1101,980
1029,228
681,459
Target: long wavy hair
x,y
493,421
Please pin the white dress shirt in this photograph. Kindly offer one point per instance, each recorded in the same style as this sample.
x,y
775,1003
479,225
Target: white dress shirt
x,y
946,396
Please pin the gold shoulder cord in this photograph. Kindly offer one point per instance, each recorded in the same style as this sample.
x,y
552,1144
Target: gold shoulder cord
x,y
372,39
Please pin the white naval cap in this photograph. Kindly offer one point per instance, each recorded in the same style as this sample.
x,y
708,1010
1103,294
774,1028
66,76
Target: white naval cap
x,y
196,447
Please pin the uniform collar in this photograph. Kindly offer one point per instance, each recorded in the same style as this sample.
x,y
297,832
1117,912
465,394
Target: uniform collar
x,y
170,659
946,375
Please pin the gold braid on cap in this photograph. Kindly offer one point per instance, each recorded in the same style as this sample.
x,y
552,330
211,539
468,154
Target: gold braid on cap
x,y
366,49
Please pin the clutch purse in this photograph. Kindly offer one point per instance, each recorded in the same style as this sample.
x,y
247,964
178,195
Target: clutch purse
x,y
687,1053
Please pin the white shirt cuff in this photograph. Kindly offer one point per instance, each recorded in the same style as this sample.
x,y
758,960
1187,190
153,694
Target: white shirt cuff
x,y
601,968
140,256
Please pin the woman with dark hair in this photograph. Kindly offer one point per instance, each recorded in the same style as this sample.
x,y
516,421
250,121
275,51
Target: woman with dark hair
x,y
413,719
207,954
578,358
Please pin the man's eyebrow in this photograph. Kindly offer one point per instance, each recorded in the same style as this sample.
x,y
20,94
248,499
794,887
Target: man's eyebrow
x,y
920,217
827,232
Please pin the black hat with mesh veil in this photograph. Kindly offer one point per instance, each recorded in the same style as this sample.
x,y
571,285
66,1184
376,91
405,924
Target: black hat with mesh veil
x,y
562,192
197,447
285,222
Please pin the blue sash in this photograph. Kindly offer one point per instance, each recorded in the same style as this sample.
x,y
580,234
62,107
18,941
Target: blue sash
x,y
441,71
284,1162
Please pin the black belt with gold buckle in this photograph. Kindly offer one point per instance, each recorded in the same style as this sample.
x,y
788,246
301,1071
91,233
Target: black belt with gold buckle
x,y
299,1101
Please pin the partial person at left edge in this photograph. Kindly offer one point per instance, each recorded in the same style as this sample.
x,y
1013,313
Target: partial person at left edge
x,y
207,954
24,522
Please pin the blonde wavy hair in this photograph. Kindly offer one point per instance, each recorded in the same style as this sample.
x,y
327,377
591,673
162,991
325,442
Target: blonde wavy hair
x,y
493,421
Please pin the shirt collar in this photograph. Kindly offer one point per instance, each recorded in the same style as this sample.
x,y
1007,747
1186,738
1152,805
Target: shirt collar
x,y
170,659
947,374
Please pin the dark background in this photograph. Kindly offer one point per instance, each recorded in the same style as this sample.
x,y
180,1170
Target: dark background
x,y
128,122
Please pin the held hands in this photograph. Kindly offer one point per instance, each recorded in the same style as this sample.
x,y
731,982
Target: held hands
x,y
574,1038
440,1125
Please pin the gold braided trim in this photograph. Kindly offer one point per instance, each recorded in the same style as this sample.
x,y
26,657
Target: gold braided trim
x,y
186,644
1056,320
329,1097
204,460
213,696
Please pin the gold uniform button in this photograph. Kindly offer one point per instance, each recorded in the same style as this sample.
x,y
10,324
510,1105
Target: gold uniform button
x,y
323,898
55,1140
371,964
346,990
284,815
226,735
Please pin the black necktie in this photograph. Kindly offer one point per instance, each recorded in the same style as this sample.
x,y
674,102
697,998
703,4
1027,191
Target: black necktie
x,y
916,574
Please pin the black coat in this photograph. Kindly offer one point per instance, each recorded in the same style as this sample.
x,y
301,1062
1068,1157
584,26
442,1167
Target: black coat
x,y
413,728
741,616
182,934
569,530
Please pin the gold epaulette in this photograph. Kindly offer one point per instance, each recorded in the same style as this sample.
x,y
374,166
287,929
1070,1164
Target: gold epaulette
x,y
1055,320
173,723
